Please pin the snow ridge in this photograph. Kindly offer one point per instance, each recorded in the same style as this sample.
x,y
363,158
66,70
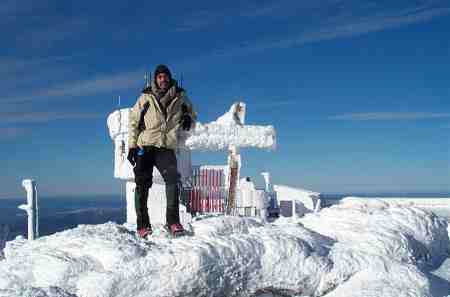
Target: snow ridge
x,y
352,249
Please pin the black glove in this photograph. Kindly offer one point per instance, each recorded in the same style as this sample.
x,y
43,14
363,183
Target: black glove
x,y
186,122
132,153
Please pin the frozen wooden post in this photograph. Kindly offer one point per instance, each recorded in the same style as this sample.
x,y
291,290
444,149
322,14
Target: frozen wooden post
x,y
234,158
233,162
31,208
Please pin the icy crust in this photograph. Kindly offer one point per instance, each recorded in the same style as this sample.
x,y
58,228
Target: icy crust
x,y
216,136
352,249
380,248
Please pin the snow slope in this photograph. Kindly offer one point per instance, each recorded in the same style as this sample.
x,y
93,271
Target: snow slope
x,y
351,249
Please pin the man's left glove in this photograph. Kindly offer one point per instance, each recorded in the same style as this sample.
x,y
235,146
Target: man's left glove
x,y
132,153
186,122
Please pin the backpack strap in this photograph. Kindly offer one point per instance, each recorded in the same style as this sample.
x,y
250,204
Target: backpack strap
x,y
141,125
147,90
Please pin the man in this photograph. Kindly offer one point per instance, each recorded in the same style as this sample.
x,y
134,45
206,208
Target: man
x,y
162,110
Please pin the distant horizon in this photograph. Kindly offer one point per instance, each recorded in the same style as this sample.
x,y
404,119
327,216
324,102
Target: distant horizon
x,y
386,194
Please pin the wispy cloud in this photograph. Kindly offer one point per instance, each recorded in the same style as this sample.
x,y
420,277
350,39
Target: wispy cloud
x,y
8,133
95,85
206,18
261,10
13,66
344,24
47,37
10,8
30,117
389,116
273,104
34,28
199,20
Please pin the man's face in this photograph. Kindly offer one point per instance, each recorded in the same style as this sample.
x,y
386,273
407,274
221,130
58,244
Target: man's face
x,y
162,81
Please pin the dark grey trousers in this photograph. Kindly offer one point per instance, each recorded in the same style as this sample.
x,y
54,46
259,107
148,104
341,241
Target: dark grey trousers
x,y
166,163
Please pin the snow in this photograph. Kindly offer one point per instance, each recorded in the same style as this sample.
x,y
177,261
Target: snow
x,y
215,136
356,248
423,202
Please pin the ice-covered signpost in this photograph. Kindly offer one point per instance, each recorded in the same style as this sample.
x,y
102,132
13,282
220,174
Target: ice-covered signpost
x,y
31,208
230,132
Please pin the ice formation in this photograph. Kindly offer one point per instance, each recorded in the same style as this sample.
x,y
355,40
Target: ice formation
x,y
356,248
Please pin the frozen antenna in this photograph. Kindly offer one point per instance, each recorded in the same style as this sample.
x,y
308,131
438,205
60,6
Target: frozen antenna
x,y
147,80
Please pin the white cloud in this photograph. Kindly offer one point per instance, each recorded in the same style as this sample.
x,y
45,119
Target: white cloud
x,y
47,37
344,24
205,18
95,85
46,116
389,116
199,20
16,65
273,103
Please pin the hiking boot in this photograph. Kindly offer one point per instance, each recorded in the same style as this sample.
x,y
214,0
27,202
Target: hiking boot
x,y
176,229
144,232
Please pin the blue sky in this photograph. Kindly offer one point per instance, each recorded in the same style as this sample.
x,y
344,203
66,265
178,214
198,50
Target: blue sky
x,y
357,90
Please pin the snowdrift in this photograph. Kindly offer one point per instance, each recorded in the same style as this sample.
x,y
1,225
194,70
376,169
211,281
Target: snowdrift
x,y
352,249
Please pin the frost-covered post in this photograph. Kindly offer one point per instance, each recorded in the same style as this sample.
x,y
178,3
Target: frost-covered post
x,y
268,189
318,205
266,176
31,208
234,160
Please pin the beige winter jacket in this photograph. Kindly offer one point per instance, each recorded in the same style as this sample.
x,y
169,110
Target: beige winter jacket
x,y
159,130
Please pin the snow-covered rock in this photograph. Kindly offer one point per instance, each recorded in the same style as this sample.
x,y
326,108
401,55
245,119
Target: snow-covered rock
x,y
351,249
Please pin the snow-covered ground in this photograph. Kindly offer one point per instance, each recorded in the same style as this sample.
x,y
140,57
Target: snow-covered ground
x,y
356,248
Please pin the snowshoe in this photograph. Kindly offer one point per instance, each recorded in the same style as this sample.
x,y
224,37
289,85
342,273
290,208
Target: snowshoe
x,y
145,232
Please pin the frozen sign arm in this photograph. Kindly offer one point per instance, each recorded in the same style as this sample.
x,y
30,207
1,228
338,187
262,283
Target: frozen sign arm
x,y
230,130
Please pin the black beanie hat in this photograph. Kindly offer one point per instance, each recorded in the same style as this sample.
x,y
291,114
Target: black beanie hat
x,y
162,69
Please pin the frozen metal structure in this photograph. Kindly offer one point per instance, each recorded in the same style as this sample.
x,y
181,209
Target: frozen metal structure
x,y
31,208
